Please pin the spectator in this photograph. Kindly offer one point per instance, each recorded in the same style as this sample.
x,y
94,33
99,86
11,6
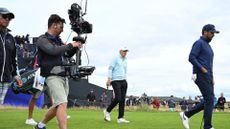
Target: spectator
x,y
197,100
156,103
91,96
190,102
27,38
144,99
171,103
184,104
163,103
131,101
221,101
103,99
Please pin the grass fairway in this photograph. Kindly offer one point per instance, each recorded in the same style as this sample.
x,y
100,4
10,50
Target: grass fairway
x,y
14,118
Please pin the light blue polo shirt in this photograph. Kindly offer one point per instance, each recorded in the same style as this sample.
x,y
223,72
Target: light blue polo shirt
x,y
118,68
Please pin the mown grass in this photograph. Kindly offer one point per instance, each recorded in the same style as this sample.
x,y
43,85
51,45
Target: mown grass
x,y
14,118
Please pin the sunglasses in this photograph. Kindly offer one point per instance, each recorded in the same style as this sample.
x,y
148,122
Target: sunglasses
x,y
5,16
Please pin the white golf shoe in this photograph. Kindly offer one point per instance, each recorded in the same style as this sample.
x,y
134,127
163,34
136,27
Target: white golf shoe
x,y
185,120
122,120
106,116
31,121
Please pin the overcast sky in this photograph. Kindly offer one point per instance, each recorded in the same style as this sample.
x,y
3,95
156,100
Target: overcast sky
x,y
158,33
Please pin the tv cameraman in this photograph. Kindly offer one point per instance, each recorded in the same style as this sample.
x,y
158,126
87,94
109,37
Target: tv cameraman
x,y
52,53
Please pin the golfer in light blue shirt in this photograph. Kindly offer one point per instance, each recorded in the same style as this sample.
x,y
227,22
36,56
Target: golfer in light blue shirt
x,y
117,78
118,67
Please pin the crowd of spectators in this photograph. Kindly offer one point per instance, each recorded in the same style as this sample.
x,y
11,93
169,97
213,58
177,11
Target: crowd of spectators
x,y
22,39
25,49
171,103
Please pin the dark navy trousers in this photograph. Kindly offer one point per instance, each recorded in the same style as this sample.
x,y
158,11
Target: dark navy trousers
x,y
204,82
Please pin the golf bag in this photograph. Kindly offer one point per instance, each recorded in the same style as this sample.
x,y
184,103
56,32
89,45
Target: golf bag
x,y
32,81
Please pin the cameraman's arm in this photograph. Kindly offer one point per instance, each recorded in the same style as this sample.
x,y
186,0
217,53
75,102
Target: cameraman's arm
x,y
76,46
51,49
71,52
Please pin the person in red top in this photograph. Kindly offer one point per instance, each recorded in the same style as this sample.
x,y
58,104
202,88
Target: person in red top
x,y
156,103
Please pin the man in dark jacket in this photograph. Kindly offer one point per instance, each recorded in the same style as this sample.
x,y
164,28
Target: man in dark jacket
x,y
8,65
201,57
52,53
91,97
184,104
171,103
221,101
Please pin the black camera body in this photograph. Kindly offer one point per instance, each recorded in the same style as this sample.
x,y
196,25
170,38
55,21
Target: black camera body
x,y
80,72
74,71
78,24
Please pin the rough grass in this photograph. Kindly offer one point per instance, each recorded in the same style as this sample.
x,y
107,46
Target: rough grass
x,y
92,118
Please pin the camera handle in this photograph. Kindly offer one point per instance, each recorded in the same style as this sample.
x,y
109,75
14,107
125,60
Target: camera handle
x,y
78,57
86,2
78,52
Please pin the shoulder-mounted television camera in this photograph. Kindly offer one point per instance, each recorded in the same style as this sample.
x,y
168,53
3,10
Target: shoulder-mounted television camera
x,y
74,71
81,71
78,24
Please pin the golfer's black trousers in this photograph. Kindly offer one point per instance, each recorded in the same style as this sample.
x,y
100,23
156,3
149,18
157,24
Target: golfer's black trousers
x,y
120,89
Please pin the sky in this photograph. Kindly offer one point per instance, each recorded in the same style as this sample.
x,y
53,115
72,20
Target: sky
x,y
158,33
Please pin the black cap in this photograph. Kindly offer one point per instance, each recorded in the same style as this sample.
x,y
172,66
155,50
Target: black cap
x,y
6,11
210,28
